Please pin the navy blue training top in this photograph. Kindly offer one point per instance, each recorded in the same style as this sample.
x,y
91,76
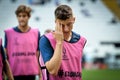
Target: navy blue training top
x,y
18,30
46,48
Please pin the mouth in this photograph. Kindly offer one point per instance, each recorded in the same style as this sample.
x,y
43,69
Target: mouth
x,y
21,22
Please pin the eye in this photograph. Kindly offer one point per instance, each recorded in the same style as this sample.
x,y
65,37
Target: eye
x,y
62,25
69,24
24,15
18,15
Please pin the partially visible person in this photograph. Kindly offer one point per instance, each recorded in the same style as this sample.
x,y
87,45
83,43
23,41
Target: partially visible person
x,y
48,31
62,49
4,65
21,45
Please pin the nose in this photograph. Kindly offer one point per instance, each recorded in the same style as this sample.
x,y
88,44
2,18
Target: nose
x,y
21,18
66,28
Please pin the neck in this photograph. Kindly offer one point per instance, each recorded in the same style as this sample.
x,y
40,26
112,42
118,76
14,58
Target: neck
x,y
24,28
67,36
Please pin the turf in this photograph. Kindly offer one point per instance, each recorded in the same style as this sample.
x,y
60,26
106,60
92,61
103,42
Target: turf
x,y
107,74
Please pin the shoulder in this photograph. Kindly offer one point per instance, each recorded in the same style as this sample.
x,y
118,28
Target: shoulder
x,y
44,41
8,30
43,38
75,37
34,29
80,38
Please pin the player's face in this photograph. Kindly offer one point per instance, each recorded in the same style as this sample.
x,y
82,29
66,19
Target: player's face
x,y
67,25
23,19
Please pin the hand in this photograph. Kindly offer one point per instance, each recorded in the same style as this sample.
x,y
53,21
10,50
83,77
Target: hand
x,y
58,34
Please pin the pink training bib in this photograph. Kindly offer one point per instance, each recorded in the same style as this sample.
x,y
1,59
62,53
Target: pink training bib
x,y
21,50
71,67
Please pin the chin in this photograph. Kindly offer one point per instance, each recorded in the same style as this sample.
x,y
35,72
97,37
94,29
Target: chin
x,y
65,32
22,25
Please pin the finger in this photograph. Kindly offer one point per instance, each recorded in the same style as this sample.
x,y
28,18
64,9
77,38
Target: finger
x,y
57,26
60,28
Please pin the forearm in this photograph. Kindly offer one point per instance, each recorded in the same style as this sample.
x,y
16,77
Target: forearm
x,y
40,72
40,75
8,71
54,64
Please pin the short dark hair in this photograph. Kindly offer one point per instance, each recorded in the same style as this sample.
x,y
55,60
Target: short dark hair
x,y
24,9
63,12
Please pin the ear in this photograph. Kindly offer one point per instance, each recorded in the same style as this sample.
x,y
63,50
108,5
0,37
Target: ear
x,y
74,19
55,20
29,16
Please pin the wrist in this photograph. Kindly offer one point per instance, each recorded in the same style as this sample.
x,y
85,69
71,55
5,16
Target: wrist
x,y
59,43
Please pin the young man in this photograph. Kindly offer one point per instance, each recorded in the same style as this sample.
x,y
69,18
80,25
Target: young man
x,y
4,65
21,44
62,49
